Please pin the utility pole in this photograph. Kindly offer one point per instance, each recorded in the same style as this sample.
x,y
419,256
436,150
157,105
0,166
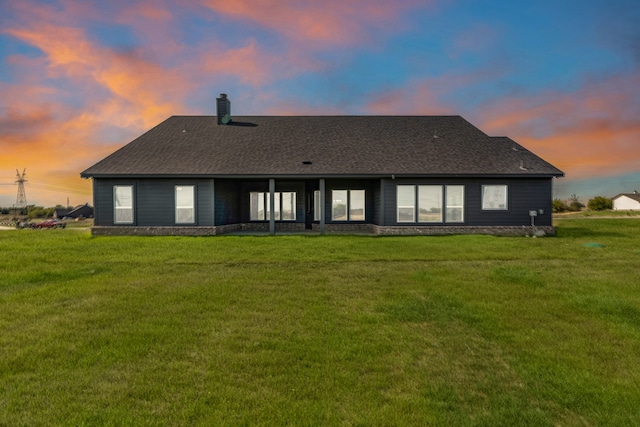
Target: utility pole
x,y
21,200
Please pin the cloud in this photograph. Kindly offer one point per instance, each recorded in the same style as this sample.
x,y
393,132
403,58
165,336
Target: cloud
x,y
437,95
415,98
592,132
80,99
329,21
62,111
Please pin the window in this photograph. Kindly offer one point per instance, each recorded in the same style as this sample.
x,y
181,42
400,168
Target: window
x,y
339,204
258,205
455,203
429,202
284,206
406,203
494,197
356,205
288,211
347,205
123,204
185,204
317,209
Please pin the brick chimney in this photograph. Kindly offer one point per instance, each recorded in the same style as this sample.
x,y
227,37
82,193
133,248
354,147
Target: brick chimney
x,y
223,109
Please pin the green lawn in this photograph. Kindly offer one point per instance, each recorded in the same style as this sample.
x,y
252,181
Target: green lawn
x,y
321,330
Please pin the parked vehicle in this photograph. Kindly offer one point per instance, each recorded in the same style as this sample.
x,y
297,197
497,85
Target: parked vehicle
x,y
51,223
25,224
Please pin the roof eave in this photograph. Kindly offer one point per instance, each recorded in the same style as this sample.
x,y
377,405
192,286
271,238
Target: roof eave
x,y
324,175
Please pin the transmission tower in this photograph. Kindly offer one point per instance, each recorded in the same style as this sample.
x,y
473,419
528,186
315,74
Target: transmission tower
x,y
21,200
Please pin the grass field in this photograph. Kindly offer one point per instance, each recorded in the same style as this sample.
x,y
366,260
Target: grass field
x,y
321,330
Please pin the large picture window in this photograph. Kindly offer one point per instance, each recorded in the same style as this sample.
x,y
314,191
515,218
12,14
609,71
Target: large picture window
x,y
494,197
123,204
185,204
430,203
284,206
348,205
423,203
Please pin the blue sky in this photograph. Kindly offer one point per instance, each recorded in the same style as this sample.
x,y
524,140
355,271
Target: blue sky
x,y
79,79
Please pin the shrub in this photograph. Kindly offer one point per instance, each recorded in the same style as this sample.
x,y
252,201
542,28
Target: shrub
x,y
600,203
558,206
574,203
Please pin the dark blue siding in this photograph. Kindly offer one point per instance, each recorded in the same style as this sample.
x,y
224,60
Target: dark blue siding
x,y
524,195
154,201
352,184
225,201
204,202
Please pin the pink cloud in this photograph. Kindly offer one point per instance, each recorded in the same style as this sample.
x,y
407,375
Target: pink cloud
x,y
329,21
413,99
431,96
592,132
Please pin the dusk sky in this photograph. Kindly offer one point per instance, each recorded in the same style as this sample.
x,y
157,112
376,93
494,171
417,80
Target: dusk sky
x,y
79,79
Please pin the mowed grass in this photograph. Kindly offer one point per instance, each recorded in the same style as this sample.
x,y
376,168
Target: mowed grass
x,y
321,330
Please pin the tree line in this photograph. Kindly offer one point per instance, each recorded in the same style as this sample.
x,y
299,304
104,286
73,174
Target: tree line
x,y
31,211
573,204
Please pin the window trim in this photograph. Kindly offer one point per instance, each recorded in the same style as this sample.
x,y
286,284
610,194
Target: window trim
x,y
405,206
123,208
317,200
352,209
192,207
445,203
265,198
333,206
293,205
488,202
441,196
349,208
450,206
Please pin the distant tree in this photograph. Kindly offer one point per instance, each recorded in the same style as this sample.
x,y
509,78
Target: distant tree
x,y
36,212
574,203
600,203
558,206
40,212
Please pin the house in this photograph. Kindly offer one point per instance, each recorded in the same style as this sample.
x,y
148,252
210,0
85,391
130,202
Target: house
x,y
59,213
80,211
626,201
209,175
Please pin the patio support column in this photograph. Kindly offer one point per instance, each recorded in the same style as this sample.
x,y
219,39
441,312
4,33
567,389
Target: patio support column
x,y
322,205
272,204
213,202
381,206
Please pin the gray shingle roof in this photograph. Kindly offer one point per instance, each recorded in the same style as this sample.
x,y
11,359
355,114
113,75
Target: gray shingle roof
x,y
335,146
